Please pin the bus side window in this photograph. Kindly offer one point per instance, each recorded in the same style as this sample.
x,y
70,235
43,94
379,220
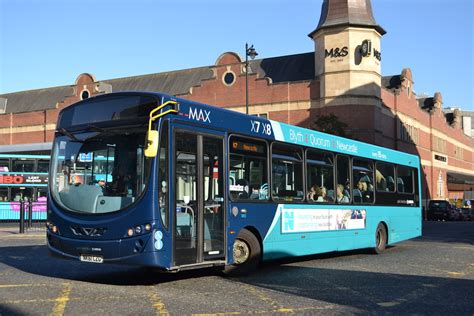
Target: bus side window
x,y
404,179
163,195
343,180
362,176
4,195
43,166
287,173
23,165
4,165
384,177
248,176
320,177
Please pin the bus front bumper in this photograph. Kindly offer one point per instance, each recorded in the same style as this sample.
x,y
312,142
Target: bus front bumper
x,y
131,251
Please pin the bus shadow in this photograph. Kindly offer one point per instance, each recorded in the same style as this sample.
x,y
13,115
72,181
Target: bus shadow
x,y
36,260
4,310
367,292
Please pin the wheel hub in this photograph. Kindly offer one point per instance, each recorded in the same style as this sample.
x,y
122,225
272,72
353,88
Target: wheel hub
x,y
241,252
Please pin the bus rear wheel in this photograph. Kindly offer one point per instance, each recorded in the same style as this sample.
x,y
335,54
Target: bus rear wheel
x,y
246,253
380,239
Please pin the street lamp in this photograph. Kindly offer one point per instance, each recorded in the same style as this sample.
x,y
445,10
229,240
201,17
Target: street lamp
x,y
252,53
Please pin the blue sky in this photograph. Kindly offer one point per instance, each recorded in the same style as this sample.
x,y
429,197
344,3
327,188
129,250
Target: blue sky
x,y
50,42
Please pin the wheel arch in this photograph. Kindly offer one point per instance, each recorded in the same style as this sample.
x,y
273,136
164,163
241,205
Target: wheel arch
x,y
256,233
386,230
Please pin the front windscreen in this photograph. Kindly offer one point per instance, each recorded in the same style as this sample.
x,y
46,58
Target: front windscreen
x,y
99,171
107,108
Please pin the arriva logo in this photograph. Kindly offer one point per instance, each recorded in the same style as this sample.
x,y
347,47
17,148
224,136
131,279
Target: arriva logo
x,y
200,115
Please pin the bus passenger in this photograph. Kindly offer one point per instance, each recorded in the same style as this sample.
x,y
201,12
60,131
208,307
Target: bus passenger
x,y
321,193
341,197
312,194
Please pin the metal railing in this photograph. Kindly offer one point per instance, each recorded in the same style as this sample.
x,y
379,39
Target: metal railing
x,y
24,216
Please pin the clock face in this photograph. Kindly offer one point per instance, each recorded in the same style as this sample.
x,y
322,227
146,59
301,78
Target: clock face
x,y
365,48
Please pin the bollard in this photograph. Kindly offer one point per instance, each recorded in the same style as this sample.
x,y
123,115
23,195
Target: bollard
x,y
22,218
30,214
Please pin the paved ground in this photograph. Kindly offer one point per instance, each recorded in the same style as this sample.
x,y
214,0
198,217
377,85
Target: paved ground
x,y
430,275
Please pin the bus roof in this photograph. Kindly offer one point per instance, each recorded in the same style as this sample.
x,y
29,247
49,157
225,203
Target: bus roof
x,y
253,126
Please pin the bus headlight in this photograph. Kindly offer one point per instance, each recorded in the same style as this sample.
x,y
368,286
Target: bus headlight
x,y
159,244
158,235
139,230
53,228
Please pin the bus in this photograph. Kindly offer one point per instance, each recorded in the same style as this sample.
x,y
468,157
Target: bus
x,y
23,178
194,186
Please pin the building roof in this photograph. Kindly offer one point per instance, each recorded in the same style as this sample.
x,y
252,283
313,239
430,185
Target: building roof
x,y
286,68
35,100
426,103
392,82
347,13
278,69
173,82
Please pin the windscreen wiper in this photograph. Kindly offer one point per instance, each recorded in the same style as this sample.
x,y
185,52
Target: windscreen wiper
x,y
96,128
64,131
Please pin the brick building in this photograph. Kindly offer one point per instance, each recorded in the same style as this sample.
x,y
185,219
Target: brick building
x,y
342,76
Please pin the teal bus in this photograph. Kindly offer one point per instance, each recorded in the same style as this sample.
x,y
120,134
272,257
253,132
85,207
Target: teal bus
x,y
23,179
192,185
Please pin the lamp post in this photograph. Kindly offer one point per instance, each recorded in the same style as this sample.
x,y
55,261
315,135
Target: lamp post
x,y
249,52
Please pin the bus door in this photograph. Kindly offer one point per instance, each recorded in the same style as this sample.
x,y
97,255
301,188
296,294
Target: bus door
x,y
199,213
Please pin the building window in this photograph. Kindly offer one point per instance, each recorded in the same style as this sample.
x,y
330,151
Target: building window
x,y
440,185
84,95
458,152
229,78
408,133
439,144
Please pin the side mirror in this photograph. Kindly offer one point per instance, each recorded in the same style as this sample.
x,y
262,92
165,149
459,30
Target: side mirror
x,y
151,149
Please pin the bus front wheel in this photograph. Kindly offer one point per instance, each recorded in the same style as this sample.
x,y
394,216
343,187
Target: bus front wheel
x,y
246,253
380,239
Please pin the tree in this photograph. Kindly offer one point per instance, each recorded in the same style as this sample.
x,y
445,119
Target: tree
x,y
330,124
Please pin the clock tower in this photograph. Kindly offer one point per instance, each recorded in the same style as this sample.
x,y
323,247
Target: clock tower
x,y
348,54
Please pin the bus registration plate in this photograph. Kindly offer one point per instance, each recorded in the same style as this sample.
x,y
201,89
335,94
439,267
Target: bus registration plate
x,y
93,259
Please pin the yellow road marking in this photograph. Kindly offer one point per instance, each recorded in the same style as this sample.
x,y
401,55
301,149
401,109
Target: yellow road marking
x,y
440,271
262,295
62,300
158,304
456,273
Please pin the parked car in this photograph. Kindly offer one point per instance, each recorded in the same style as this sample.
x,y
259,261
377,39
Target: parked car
x,y
466,214
441,210
455,214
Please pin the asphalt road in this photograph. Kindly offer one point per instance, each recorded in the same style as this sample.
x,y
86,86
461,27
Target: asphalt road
x,y
430,275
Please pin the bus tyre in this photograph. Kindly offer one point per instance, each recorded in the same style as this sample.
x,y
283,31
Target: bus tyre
x,y
246,254
380,239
